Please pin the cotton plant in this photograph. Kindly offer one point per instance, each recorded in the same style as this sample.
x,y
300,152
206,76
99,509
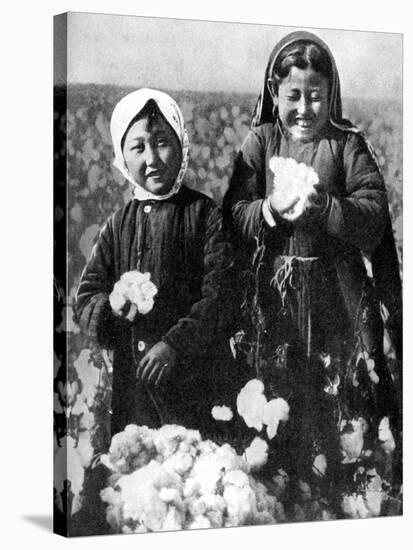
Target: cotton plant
x,y
153,487
138,289
292,180
257,412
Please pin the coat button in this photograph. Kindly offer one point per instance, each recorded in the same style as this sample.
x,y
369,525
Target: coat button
x,y
141,345
147,208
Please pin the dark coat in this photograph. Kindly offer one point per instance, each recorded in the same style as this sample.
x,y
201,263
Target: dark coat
x,y
180,242
355,221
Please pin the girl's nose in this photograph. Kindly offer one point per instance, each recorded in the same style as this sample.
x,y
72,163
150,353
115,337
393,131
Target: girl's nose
x,y
152,156
303,106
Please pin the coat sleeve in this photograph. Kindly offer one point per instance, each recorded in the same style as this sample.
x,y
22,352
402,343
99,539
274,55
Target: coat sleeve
x,y
96,283
360,217
193,334
243,202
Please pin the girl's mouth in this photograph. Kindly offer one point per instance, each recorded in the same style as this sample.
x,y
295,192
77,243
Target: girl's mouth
x,y
154,175
303,122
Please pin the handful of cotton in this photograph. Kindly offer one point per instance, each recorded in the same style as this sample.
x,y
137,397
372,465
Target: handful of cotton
x,y
136,288
294,183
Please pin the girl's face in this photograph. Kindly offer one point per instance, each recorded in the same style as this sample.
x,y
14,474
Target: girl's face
x,y
152,153
303,103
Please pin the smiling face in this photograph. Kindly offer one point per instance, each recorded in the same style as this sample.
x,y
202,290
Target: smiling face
x,y
152,153
303,103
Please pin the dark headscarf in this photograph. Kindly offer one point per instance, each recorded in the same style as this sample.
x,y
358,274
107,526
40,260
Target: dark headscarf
x,y
264,109
384,259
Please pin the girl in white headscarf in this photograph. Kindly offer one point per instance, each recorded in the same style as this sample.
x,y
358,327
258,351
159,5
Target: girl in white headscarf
x,y
161,324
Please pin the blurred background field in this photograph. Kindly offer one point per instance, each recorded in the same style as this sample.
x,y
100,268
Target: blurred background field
x,y
217,124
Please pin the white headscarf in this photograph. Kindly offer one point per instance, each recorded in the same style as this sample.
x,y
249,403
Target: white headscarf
x,y
125,111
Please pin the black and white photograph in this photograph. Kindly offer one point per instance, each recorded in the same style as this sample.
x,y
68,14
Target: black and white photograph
x,y
206,271
228,347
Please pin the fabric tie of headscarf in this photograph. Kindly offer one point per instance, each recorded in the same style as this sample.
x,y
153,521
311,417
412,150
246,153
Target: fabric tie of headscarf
x,y
123,114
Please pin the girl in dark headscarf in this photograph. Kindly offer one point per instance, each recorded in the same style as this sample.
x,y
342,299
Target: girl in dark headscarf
x,y
319,275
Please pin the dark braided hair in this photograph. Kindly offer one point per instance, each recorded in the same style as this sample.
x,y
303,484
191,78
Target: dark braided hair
x,y
302,54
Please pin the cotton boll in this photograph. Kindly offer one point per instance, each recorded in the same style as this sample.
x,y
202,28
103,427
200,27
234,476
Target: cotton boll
x,y
353,506
207,447
181,463
209,468
351,439
173,498
251,402
141,495
320,465
191,488
240,503
207,471
292,180
236,477
214,509
168,438
174,520
117,300
148,289
385,436
145,305
200,522
137,288
222,413
275,411
130,449
196,507
256,454
114,509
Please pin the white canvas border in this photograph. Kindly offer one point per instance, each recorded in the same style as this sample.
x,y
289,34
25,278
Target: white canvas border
x,y
27,267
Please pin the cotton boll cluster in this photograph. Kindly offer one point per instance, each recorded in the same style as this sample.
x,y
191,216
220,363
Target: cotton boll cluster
x,y
130,450
134,287
352,439
256,411
367,501
169,479
292,180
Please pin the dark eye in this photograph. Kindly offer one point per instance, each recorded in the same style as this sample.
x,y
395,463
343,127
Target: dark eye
x,y
162,141
138,148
